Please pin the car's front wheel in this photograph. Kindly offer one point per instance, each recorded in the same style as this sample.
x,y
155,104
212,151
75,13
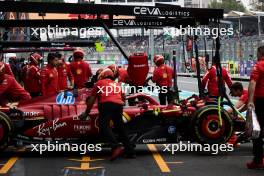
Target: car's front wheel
x,y
6,130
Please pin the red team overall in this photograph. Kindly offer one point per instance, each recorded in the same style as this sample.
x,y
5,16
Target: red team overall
x,y
110,108
80,69
65,74
211,80
31,75
8,70
256,100
123,76
120,73
49,76
10,90
162,76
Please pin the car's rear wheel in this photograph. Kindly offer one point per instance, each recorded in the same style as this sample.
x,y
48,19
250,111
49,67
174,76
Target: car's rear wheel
x,y
206,126
6,130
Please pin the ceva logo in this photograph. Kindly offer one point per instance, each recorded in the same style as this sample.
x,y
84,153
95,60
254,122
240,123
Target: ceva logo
x,y
65,98
146,11
124,22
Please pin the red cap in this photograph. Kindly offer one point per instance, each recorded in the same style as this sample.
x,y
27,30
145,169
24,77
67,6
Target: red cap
x,y
35,57
114,68
78,53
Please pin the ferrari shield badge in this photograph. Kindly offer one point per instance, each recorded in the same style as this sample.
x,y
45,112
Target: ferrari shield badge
x,y
79,71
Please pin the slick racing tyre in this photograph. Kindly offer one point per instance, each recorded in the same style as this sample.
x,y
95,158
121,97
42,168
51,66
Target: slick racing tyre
x,y
6,130
206,126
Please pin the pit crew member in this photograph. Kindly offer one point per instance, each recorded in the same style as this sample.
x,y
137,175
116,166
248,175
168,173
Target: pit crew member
x,y
10,90
211,80
256,100
80,69
114,69
64,74
31,74
110,108
162,76
94,78
14,66
120,74
8,69
237,90
49,76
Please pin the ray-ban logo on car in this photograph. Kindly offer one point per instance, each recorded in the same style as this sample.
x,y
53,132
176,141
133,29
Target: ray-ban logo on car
x,y
65,98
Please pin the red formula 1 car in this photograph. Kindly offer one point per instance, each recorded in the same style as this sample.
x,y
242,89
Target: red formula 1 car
x,y
55,118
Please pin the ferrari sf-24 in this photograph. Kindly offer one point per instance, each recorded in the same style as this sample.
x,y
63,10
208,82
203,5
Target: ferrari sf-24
x,y
56,118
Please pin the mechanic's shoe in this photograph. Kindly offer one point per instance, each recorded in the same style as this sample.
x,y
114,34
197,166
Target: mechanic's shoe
x,y
253,165
117,152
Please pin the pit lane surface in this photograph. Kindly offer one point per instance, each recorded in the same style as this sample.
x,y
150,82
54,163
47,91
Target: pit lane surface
x,y
151,160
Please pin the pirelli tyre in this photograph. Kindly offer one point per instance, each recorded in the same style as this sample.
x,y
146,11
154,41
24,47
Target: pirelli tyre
x,y
6,130
206,128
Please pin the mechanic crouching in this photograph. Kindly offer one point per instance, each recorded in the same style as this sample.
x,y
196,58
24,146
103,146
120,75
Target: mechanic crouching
x,y
162,76
256,101
237,90
110,106
10,90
